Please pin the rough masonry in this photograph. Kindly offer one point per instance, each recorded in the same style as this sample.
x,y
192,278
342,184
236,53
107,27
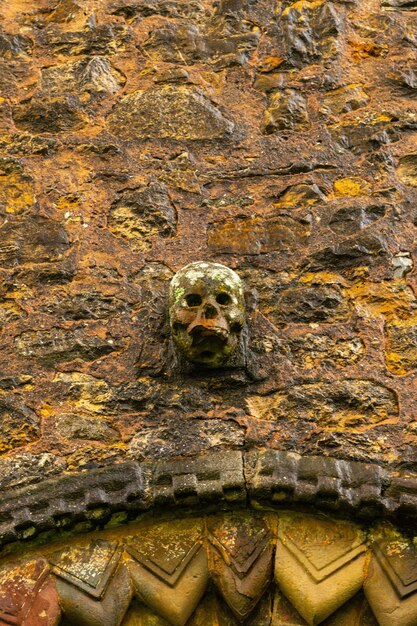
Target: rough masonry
x,y
276,138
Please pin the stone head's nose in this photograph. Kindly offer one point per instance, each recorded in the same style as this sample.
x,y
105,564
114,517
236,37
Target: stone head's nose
x,y
209,312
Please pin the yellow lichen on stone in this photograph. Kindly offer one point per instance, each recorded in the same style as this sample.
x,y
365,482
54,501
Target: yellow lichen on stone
x,y
351,187
88,393
16,192
389,300
401,349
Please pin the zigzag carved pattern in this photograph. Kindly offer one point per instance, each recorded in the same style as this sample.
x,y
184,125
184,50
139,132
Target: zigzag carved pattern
x,y
251,568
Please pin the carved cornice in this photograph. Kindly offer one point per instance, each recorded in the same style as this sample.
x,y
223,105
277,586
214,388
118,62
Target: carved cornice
x,y
266,479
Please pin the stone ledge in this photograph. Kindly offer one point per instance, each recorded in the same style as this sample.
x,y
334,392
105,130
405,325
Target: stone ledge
x,y
344,487
120,493
60,503
208,478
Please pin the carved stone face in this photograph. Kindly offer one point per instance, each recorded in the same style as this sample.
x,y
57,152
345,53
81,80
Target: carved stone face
x,y
207,312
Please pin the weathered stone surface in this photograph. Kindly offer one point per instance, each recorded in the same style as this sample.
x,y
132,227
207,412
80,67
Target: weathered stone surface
x,y
405,5
310,30
335,405
297,196
94,75
320,562
73,426
319,565
169,569
362,250
25,468
99,39
215,476
318,303
271,478
189,437
391,584
366,133
138,215
287,110
17,193
60,344
241,561
65,11
257,236
352,219
86,576
85,392
89,568
14,45
401,352
345,99
19,424
60,503
168,113
404,74
387,301
23,144
91,303
101,107
310,350
278,477
51,114
28,596
9,312
407,170
34,239
185,43
402,264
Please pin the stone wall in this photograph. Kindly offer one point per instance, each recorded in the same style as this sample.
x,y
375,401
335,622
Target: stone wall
x,y
278,138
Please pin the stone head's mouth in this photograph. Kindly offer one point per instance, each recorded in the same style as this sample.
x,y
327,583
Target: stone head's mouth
x,y
207,338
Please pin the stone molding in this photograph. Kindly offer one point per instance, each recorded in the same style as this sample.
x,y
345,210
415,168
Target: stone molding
x,y
269,478
281,568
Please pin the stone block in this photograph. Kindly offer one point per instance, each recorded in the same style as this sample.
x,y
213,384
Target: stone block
x,y
179,113
319,564
391,584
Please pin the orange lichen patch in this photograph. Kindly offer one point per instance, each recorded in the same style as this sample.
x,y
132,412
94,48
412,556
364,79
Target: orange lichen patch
x,y
300,196
267,64
389,300
365,49
351,187
16,192
14,434
215,79
46,410
322,278
299,6
86,392
69,202
9,311
401,353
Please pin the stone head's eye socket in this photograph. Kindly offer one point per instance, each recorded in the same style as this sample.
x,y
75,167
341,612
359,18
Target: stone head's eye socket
x,y
223,298
193,299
